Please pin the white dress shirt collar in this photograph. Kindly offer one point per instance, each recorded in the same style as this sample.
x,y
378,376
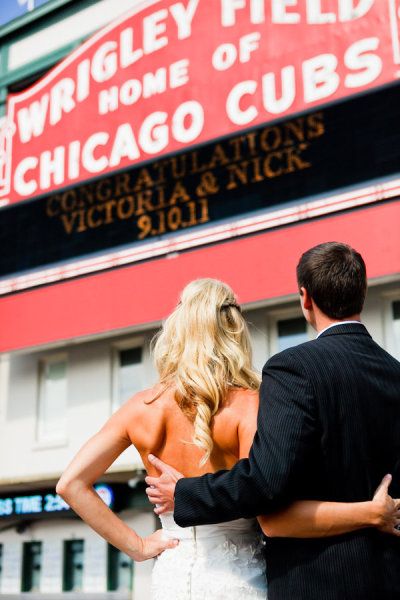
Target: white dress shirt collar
x,y
335,324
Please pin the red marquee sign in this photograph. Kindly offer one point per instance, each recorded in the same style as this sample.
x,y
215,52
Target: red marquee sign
x,y
169,75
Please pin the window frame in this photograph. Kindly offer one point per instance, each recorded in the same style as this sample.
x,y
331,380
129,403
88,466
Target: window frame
x,y
27,560
284,314
113,554
389,298
40,438
127,344
67,563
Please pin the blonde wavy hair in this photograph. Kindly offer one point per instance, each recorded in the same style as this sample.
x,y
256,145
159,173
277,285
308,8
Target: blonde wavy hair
x,y
202,350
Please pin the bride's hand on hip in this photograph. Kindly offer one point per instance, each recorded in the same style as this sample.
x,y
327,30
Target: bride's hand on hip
x,y
388,508
153,545
161,490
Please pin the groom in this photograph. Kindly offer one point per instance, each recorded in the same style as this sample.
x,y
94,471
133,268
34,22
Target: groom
x,y
328,429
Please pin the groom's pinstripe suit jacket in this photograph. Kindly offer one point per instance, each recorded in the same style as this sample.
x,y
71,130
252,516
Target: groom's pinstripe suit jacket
x,y
328,429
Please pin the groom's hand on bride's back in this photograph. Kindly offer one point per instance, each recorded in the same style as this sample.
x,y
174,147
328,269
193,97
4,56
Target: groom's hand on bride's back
x,y
161,490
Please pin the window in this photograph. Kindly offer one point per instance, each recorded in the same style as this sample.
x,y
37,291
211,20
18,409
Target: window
x,y
31,566
396,327
291,332
73,566
129,376
287,328
120,570
52,399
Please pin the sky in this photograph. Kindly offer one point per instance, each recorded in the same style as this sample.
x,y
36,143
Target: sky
x,y
12,9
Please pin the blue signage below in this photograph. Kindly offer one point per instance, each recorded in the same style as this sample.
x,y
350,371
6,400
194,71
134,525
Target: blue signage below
x,y
46,503
12,9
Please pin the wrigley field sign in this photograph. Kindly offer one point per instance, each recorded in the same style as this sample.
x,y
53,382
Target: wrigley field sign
x,y
171,75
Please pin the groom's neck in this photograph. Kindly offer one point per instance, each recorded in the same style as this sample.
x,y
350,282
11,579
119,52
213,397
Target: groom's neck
x,y
322,321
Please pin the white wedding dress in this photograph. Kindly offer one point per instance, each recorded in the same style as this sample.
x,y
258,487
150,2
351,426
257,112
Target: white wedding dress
x,y
211,562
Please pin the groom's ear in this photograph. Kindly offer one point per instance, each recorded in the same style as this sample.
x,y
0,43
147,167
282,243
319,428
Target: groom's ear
x,y
306,299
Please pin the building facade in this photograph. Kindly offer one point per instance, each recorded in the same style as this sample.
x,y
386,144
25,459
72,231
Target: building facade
x,y
120,184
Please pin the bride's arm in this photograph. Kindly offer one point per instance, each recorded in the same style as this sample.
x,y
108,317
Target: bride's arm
x,y
311,519
90,463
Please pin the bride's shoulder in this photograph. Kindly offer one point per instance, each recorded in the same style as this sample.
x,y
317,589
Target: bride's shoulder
x,y
154,397
242,400
147,406
242,415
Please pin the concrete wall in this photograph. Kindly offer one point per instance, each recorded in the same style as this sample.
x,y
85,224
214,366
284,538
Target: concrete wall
x,y
89,405
90,387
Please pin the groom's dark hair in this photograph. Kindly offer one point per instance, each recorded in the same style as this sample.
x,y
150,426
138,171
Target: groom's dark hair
x,y
334,275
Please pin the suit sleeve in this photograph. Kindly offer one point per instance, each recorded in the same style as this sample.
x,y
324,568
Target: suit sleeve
x,y
285,440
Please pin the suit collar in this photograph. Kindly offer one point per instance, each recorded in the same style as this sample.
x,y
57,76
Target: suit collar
x,y
346,328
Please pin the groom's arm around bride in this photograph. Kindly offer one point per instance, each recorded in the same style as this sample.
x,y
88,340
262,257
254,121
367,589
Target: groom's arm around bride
x,y
328,429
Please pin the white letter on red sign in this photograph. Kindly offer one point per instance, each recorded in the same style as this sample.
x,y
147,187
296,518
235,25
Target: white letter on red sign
x,y
74,152
369,65
83,80
153,134
89,162
320,77
128,54
61,99
229,8
152,28
195,112
279,14
248,44
52,165
179,73
104,63
23,187
31,119
349,12
184,17
271,103
130,91
154,83
224,56
315,16
124,145
257,11
108,100
234,112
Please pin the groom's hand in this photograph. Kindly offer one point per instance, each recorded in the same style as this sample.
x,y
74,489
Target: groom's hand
x,y
161,490
388,508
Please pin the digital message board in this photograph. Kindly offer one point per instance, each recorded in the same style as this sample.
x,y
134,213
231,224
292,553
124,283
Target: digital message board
x,y
46,503
286,162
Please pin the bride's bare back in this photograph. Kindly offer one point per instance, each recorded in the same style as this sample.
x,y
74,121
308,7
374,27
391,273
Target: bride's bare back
x,y
160,427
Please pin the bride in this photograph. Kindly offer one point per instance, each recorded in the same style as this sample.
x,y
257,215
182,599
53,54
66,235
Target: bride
x,y
200,418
